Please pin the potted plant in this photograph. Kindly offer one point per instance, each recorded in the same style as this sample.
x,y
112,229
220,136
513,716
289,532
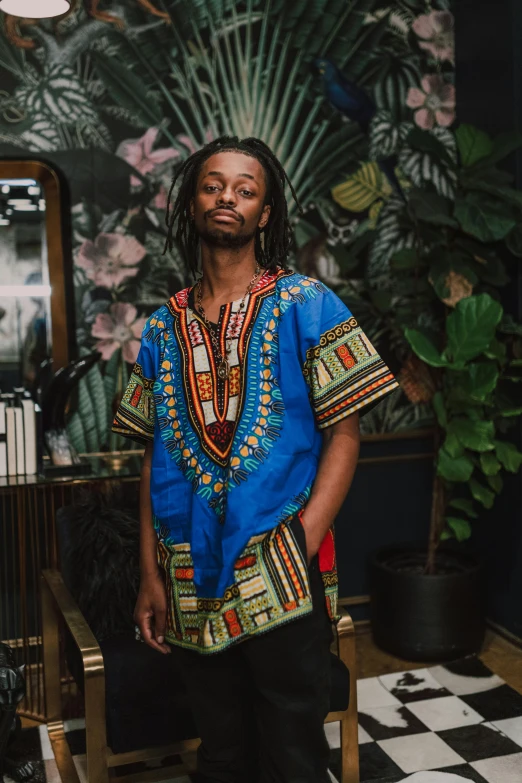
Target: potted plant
x,y
437,262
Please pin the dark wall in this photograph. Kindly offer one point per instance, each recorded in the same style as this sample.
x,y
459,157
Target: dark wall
x,y
489,95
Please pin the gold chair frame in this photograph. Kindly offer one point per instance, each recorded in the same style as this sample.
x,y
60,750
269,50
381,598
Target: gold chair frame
x,y
58,605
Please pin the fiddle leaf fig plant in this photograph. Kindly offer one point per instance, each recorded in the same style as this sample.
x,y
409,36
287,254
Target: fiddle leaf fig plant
x,y
445,247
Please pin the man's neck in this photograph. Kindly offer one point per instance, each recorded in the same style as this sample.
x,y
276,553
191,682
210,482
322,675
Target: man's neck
x,y
226,272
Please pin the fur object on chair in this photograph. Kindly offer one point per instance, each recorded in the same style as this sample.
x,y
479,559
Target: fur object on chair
x,y
100,558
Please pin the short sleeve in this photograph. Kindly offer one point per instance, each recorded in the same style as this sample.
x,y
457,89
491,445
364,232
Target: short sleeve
x,y
343,370
134,417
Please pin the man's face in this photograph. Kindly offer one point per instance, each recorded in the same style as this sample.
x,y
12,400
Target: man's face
x,y
228,206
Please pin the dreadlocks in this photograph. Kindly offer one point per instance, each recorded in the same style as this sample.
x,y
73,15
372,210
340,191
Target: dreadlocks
x,y
270,253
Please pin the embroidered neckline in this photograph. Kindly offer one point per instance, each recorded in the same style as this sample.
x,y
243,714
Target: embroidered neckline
x,y
215,406
266,279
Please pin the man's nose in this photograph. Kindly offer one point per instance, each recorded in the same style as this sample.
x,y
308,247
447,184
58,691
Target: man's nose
x,y
226,197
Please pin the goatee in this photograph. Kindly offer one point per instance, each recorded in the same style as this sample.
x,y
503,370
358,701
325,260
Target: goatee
x,y
218,237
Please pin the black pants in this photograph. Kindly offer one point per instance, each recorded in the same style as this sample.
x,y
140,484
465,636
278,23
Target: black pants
x,y
260,706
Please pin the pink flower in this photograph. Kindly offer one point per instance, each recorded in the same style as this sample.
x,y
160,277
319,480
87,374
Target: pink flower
x,y
118,329
160,199
437,30
435,102
138,152
110,259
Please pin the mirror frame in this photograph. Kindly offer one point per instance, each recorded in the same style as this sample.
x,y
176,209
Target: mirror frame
x,y
62,326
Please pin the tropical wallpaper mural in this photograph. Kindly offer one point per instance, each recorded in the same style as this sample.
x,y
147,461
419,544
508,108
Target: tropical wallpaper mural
x,y
356,99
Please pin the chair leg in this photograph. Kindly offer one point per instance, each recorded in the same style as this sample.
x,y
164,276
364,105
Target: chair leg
x,y
349,722
94,688
95,720
52,686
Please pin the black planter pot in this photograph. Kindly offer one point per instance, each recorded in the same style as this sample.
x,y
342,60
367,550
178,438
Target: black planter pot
x,y
426,618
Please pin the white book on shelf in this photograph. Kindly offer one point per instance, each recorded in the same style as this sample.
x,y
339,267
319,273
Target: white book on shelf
x,y
3,441
20,445
11,441
29,413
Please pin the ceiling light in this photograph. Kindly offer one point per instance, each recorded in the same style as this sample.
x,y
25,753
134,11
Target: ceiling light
x,y
35,9
17,182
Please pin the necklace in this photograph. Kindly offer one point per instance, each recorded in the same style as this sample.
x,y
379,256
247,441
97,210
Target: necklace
x,y
223,365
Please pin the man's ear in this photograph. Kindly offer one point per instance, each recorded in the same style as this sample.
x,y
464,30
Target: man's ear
x,y
265,214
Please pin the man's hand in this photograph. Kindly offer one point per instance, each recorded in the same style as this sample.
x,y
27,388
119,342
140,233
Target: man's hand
x,y
336,469
151,612
313,539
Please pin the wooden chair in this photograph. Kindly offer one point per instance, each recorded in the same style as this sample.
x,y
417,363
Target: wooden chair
x,y
124,682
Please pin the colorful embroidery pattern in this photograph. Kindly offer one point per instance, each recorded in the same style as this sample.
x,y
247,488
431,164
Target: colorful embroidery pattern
x,y
218,432
200,427
135,415
345,373
271,587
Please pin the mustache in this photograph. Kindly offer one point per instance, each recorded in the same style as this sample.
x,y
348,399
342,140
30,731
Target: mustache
x,y
210,212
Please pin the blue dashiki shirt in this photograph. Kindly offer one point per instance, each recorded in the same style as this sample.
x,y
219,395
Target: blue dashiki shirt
x,y
234,460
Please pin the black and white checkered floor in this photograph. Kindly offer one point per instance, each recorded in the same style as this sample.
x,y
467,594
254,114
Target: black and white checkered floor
x,y
446,724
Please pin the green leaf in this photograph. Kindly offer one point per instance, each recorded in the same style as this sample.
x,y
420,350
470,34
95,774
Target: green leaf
x,y
510,411
508,325
460,527
509,455
474,435
501,192
453,446
75,431
424,348
482,380
484,217
440,410
382,300
493,271
407,258
471,326
454,468
464,504
496,483
430,207
496,350
514,241
473,144
481,493
304,232
127,89
489,463
427,142
503,145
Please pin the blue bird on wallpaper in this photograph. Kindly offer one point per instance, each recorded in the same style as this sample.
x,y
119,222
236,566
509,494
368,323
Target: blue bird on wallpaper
x,y
347,97
353,102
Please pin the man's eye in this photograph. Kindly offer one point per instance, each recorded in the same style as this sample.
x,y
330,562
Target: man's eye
x,y
247,192
211,187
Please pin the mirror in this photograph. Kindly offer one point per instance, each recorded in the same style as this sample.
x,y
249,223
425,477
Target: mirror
x,y
34,322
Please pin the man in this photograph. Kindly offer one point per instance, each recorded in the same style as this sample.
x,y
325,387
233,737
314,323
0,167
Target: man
x,y
246,392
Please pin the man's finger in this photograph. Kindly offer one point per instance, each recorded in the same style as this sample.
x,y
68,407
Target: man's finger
x,y
160,617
